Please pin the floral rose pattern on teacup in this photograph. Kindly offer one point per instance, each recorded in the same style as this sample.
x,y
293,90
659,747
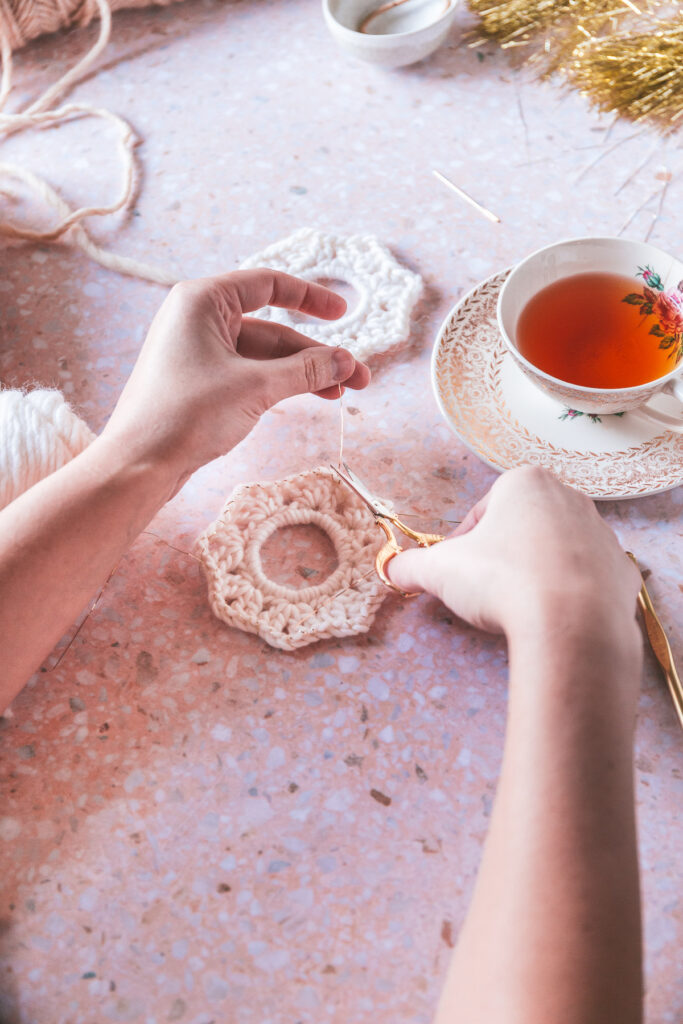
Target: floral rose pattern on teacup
x,y
669,310
572,414
666,306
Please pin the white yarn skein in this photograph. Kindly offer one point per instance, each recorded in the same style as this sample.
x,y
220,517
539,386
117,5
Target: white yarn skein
x,y
39,433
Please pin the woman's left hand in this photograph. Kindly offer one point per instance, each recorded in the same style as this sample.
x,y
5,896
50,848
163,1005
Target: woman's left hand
x,y
207,371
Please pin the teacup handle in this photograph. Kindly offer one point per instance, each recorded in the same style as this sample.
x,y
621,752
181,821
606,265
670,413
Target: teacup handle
x,y
671,422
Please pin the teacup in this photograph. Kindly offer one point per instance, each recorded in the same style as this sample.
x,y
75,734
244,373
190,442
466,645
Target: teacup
x,y
598,255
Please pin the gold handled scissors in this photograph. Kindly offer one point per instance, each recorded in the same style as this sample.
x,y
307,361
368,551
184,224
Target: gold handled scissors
x,y
385,519
660,644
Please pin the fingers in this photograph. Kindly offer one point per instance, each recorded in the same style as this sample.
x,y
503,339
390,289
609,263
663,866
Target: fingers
x,y
406,571
262,287
263,339
318,369
260,339
416,569
419,569
331,393
474,516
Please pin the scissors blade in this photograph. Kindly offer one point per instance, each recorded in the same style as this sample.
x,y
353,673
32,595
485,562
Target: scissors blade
x,y
357,485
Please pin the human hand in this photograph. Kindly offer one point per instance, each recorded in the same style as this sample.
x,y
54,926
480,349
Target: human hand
x,y
207,372
531,550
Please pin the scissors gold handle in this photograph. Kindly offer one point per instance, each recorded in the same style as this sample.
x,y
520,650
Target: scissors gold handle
x,y
392,548
385,519
660,645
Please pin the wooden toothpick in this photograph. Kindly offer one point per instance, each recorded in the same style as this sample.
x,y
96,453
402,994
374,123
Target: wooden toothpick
x,y
467,198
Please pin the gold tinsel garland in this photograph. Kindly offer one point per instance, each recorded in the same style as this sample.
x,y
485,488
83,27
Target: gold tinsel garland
x,y
625,55
640,75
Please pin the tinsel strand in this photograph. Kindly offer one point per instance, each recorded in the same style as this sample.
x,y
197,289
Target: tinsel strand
x,y
545,32
625,55
640,76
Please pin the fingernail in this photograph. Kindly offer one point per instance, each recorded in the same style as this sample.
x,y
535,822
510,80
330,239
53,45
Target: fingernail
x,y
342,364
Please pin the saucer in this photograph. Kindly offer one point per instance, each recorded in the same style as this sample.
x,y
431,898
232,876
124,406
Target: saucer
x,y
505,420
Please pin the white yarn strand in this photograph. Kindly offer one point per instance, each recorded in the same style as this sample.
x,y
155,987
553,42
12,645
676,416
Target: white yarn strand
x,y
78,235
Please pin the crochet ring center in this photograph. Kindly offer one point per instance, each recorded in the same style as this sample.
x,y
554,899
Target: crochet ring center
x,y
240,593
386,291
295,517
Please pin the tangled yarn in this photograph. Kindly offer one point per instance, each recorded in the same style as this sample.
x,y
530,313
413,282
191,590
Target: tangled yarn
x,y
386,291
39,433
23,20
44,113
286,617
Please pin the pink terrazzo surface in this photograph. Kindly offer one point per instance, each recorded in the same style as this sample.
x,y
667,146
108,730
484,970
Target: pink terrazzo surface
x,y
187,829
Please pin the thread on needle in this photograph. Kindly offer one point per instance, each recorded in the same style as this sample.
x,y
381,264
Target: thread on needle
x,y
407,515
349,586
83,621
432,519
181,551
341,427
98,598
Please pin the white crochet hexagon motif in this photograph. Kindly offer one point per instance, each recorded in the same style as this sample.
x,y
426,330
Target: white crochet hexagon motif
x,y
287,617
387,292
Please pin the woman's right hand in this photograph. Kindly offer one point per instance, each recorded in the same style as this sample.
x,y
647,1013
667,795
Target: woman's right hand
x,y
532,551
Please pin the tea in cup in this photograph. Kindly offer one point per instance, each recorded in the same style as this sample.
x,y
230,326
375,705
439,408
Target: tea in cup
x,y
597,323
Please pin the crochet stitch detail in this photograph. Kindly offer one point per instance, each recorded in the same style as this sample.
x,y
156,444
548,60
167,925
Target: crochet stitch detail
x,y
287,617
387,292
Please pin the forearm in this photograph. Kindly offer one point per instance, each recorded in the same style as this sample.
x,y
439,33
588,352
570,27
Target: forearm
x,y
60,540
553,932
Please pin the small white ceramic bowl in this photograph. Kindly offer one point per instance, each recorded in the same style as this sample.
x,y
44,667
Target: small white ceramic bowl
x,y
402,35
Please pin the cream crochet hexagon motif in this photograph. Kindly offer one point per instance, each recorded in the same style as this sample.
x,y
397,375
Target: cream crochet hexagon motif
x,y
386,291
286,617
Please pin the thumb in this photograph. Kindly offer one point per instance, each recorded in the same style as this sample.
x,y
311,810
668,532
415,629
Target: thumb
x,y
424,569
311,369
417,569
455,571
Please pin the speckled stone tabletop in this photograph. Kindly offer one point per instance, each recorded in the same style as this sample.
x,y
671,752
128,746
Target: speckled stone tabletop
x,y
194,826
